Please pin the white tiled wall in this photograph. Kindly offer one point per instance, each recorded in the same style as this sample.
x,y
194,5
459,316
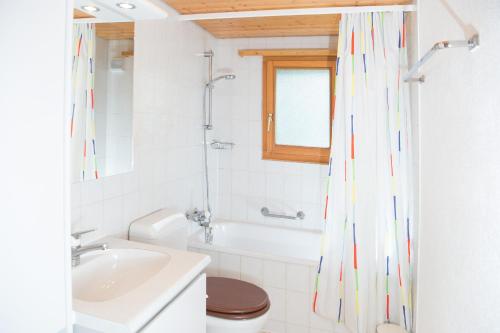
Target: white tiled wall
x,y
168,87
289,286
244,183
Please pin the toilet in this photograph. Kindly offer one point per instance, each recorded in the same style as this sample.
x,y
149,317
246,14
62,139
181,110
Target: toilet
x,y
235,306
232,305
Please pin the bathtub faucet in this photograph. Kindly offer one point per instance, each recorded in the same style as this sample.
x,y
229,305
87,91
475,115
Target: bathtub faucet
x,y
209,236
198,216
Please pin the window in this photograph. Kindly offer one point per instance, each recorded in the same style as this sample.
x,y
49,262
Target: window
x,y
298,108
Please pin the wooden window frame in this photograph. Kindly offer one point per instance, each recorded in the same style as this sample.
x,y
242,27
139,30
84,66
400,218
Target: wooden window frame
x,y
271,150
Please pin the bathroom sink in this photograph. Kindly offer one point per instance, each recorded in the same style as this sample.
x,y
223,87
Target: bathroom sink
x,y
106,275
120,289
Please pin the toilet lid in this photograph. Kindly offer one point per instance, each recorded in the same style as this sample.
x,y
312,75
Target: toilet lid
x,y
235,297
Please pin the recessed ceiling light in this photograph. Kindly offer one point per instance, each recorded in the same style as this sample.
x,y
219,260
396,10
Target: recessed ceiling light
x,y
125,5
90,8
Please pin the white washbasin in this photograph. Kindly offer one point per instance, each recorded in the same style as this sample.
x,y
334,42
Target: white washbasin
x,y
119,290
106,275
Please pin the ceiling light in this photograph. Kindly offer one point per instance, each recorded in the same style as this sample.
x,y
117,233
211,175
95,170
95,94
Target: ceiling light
x,y
90,8
125,5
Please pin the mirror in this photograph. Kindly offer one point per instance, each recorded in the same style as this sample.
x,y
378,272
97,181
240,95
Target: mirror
x,y
102,99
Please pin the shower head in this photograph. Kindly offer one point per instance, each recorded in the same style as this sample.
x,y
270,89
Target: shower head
x,y
225,77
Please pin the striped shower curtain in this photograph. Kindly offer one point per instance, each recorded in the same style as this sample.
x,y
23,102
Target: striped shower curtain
x,y
365,273
82,123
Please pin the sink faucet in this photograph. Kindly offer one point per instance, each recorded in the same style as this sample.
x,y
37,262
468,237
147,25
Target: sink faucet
x,y
77,251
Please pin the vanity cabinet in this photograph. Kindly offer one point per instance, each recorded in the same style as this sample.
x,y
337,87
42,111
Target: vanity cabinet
x,y
185,314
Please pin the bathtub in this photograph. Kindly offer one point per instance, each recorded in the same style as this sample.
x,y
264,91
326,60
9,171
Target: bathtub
x,y
283,261
258,240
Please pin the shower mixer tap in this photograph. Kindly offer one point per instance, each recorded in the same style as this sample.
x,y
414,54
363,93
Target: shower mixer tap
x,y
199,216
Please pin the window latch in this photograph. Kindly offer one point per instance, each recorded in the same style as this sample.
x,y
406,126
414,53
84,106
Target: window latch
x,y
269,121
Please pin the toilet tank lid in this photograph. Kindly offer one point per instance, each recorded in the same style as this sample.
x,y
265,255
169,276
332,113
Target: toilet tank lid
x,y
158,223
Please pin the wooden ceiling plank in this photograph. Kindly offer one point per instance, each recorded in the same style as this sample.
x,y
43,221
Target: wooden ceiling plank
x,y
287,52
215,6
78,14
323,25
118,30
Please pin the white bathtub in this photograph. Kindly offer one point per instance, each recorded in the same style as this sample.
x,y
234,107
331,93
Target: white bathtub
x,y
283,261
258,240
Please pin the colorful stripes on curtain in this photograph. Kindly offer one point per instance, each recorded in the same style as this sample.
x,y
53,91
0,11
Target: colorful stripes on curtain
x,y
82,122
372,193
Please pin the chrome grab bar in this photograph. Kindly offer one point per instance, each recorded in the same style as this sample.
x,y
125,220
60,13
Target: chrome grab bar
x,y
300,214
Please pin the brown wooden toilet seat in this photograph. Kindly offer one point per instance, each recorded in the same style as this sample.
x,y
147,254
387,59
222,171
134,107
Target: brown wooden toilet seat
x,y
234,299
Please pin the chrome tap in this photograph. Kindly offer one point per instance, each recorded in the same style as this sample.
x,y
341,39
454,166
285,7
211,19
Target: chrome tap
x,y
209,236
203,219
77,251
199,216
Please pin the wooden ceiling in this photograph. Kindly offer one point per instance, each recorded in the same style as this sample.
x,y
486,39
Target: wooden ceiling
x,y
118,30
78,14
215,6
121,30
280,26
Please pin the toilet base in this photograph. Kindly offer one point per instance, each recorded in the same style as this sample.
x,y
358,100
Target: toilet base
x,y
219,325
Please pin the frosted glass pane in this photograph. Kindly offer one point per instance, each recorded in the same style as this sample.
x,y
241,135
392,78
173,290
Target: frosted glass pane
x,y
303,107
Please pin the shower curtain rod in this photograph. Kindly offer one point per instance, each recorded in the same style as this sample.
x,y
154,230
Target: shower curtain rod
x,y
296,12
471,44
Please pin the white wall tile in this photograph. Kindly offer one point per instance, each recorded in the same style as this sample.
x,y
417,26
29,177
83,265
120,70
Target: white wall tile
x,y
252,270
113,217
255,204
297,278
274,274
311,188
275,185
239,182
76,195
239,208
316,330
290,328
213,267
293,188
92,217
91,192
229,265
297,308
256,184
320,323
278,303
112,186
130,182
130,208
273,326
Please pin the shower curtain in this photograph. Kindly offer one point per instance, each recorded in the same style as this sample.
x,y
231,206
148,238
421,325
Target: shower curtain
x,y
365,271
82,124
